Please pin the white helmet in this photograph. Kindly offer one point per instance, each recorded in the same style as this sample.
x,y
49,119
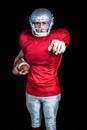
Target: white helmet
x,y
41,15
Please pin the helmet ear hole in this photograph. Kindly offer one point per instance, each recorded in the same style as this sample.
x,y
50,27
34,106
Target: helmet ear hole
x,y
38,16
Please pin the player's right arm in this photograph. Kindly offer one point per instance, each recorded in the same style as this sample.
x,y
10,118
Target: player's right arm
x,y
15,70
20,55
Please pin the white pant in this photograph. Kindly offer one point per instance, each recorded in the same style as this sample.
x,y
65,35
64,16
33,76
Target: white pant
x,y
49,105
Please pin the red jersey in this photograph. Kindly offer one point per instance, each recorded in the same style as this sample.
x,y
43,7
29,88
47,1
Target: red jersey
x,y
42,79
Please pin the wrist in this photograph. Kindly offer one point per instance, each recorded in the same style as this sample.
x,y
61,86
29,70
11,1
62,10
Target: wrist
x,y
16,59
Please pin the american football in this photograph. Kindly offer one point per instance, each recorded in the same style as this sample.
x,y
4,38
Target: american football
x,y
22,65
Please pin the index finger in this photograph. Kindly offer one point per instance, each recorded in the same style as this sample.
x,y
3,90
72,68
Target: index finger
x,y
51,46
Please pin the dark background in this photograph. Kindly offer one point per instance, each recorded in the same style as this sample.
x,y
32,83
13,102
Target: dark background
x,y
67,14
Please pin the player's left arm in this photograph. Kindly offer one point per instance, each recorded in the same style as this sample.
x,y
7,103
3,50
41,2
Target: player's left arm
x,y
59,46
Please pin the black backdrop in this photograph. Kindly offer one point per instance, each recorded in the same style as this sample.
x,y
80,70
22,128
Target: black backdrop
x,y
14,114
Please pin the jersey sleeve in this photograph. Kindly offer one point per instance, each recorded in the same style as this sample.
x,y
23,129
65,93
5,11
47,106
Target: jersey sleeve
x,y
63,35
23,39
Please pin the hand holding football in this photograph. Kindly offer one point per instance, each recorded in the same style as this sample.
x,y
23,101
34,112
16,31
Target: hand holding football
x,y
22,65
